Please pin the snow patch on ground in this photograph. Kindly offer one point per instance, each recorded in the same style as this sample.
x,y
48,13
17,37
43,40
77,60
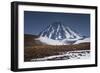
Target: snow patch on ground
x,y
70,55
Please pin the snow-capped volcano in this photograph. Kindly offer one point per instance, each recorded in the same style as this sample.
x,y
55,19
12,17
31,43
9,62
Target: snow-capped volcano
x,y
58,31
58,34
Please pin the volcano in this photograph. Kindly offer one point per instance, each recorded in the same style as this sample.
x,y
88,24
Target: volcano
x,y
58,34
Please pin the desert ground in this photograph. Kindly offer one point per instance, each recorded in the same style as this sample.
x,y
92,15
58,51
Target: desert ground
x,y
34,49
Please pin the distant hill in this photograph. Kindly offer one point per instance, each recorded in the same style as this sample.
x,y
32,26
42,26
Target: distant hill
x,y
29,40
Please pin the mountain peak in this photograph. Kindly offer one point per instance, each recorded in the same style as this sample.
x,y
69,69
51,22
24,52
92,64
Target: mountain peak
x,y
57,23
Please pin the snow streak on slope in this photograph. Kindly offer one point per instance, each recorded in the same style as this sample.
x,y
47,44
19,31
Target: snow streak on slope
x,y
83,41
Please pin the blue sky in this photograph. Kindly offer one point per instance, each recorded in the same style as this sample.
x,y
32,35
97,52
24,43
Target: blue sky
x,y
35,22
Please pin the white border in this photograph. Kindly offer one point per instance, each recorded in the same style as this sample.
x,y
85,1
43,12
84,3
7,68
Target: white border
x,y
22,64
